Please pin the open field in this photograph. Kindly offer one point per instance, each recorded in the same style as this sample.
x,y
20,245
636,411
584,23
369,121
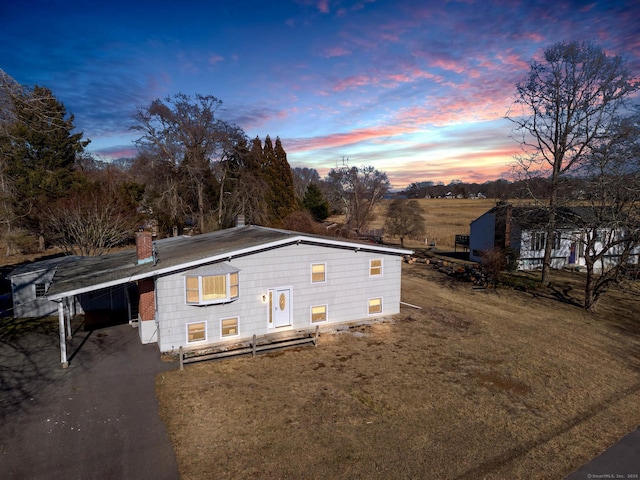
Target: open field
x,y
476,384
444,218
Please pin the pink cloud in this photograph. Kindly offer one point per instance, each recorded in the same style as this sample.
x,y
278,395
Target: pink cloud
x,y
213,59
449,65
587,8
336,52
323,6
514,61
345,139
352,82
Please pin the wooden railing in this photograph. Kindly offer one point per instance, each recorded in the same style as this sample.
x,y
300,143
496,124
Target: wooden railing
x,y
256,345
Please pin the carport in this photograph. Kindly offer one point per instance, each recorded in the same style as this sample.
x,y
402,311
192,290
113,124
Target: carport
x,y
106,285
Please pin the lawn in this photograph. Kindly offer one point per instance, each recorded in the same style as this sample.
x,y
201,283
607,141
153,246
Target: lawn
x,y
476,384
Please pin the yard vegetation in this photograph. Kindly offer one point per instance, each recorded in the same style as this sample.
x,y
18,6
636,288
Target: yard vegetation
x,y
475,384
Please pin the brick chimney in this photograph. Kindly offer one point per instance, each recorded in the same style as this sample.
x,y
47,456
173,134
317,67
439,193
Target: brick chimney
x,y
507,226
144,247
147,305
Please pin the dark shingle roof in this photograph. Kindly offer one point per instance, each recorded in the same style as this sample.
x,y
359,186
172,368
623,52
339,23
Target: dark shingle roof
x,y
537,217
182,253
42,265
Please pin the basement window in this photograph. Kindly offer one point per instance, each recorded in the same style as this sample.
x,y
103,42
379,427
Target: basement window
x,y
196,332
319,313
229,327
210,285
375,306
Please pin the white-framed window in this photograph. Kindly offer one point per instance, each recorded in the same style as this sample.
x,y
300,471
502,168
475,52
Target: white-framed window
x,y
41,289
196,332
375,306
207,286
557,240
318,313
375,267
229,327
538,240
318,272
270,307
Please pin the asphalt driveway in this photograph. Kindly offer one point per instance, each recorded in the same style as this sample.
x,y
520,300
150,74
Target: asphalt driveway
x,y
96,419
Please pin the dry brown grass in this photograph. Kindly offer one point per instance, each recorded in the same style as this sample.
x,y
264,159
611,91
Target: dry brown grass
x,y
477,384
444,218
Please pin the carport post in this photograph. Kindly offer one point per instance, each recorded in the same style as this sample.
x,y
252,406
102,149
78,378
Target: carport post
x,y
66,301
63,339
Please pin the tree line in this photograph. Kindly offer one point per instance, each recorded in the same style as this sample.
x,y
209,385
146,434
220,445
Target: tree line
x,y
194,172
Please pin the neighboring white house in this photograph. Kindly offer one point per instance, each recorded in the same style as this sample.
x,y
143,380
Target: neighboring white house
x,y
226,286
523,229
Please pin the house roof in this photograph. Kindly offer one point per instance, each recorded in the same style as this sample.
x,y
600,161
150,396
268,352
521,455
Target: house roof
x,y
42,265
537,217
186,252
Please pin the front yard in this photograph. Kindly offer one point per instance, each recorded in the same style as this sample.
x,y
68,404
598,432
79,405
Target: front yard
x,y
477,384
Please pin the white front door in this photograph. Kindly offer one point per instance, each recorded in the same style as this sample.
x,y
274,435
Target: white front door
x,y
281,307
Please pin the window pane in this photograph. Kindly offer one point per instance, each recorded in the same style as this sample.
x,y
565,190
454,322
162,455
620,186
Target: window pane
x,y
375,305
319,313
41,289
214,288
192,290
317,272
233,285
376,267
229,326
196,332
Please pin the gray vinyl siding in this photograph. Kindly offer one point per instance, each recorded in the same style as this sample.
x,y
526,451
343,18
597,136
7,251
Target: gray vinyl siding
x,y
25,302
346,292
482,236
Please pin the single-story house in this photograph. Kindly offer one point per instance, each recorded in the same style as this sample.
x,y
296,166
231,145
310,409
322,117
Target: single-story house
x,y
523,229
29,285
226,286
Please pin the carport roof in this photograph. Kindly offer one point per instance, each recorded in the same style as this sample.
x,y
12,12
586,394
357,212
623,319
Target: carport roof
x,y
185,252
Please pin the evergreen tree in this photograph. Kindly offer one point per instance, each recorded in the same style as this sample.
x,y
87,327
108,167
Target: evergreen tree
x,y
276,172
44,152
268,156
255,155
283,185
41,162
314,202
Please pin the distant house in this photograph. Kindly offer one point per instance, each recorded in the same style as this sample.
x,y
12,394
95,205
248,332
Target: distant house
x,y
226,286
523,229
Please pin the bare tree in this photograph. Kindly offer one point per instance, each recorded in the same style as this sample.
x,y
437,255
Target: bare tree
x,y
610,236
404,219
91,222
185,133
302,178
568,102
357,190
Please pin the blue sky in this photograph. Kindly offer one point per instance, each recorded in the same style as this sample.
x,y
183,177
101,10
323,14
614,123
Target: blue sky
x,y
418,89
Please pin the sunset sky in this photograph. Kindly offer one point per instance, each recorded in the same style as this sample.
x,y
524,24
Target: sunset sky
x,y
418,89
